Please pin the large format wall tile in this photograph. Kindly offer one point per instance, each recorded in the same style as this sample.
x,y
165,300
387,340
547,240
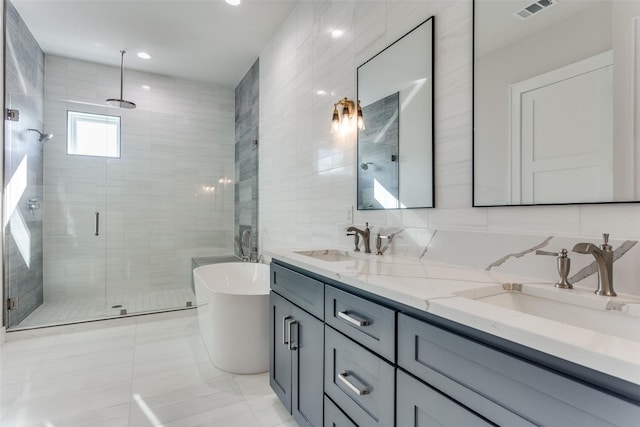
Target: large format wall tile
x,y
168,198
308,175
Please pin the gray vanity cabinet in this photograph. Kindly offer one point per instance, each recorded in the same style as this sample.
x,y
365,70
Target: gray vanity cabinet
x,y
334,417
358,381
380,363
296,348
280,360
527,394
422,406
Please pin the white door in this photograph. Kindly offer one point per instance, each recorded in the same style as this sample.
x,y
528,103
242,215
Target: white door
x,y
562,134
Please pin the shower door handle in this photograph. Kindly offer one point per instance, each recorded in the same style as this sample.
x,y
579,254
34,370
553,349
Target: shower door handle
x,y
97,223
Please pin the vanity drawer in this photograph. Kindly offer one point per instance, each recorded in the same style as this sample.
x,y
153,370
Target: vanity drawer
x,y
521,387
303,291
420,406
366,322
359,382
334,417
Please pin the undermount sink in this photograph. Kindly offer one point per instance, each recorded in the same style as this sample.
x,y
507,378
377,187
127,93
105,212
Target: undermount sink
x,y
614,316
331,255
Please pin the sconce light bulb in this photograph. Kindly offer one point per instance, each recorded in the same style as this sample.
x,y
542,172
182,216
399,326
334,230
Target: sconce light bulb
x,y
346,119
360,117
335,120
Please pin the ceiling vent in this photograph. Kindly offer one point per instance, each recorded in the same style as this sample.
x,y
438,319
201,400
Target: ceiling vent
x,y
534,8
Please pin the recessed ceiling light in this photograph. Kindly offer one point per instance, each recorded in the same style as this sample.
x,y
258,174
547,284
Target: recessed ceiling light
x,y
336,34
144,55
146,87
233,2
321,92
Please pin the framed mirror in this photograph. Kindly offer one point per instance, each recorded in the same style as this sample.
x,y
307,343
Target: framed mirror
x,y
556,85
395,150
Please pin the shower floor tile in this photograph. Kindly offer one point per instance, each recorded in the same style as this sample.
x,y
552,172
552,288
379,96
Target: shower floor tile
x,y
59,311
129,376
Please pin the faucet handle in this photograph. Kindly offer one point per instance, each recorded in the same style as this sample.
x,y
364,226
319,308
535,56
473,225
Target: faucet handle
x,y
379,238
605,246
539,252
356,241
564,265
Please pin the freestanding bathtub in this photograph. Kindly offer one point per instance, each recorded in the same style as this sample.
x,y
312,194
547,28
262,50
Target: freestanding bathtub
x,y
233,312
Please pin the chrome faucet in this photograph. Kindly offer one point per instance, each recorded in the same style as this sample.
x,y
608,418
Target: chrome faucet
x,y
365,237
604,258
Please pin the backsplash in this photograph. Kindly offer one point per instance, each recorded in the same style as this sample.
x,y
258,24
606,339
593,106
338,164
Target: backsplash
x,y
308,175
516,254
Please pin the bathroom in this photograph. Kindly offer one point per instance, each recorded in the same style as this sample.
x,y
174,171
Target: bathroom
x,y
307,175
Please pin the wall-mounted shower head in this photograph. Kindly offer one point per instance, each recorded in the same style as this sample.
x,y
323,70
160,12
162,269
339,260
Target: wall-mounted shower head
x,y
44,136
365,166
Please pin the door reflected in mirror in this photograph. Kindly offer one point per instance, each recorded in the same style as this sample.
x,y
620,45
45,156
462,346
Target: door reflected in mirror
x,y
555,90
395,150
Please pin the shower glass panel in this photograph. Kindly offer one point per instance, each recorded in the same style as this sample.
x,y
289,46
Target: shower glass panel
x,y
22,216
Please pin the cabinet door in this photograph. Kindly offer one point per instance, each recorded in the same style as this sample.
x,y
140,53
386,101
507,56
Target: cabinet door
x,y
280,318
307,335
418,405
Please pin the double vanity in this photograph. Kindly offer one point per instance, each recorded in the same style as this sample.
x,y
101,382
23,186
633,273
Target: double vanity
x,y
364,340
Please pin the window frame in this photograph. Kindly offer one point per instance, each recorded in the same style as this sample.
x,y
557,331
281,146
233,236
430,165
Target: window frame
x,y
107,118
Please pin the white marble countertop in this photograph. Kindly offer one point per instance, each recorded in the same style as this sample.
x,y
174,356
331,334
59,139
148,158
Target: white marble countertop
x,y
436,287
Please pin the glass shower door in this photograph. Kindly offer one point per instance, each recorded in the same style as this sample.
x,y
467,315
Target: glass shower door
x,y
74,214
55,252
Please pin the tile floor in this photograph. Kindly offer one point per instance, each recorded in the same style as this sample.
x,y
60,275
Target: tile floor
x,y
62,310
136,372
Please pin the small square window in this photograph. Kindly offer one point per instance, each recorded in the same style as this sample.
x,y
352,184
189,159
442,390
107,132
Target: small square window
x,y
93,134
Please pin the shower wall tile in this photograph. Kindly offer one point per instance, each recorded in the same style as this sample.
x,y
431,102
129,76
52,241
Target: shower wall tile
x,y
24,91
161,203
308,175
246,156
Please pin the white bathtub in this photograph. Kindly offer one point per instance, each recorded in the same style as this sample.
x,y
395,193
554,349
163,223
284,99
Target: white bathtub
x,y
233,313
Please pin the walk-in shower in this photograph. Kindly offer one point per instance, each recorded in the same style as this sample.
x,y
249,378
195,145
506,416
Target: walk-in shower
x,y
105,218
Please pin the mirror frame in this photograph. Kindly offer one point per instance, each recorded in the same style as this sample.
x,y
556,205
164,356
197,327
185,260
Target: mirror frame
x,y
431,138
474,202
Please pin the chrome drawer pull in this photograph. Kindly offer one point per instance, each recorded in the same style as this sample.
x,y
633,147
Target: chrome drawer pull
x,y
359,391
351,319
285,341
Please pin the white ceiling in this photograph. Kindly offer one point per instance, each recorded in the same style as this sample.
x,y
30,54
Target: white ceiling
x,y
203,40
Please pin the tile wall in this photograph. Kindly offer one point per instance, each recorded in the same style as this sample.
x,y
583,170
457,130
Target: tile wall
x,y
308,175
23,171
170,196
247,132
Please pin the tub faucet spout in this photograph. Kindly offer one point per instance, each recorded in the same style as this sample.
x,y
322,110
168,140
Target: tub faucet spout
x,y
604,258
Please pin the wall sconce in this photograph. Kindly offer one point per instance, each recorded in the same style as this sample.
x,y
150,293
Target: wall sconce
x,y
343,121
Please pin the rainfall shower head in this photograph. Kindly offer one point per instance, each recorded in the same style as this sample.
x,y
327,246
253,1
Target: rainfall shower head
x,y
44,136
120,102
